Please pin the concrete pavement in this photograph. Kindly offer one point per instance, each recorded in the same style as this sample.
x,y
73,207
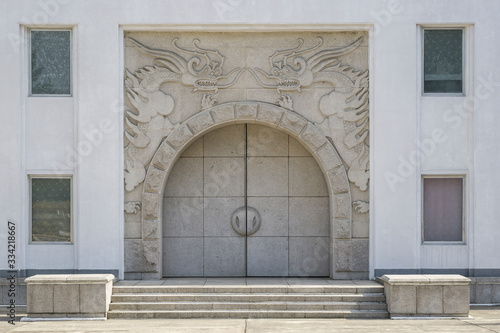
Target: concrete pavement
x,y
485,319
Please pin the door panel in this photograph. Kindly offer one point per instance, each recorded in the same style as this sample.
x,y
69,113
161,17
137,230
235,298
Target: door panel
x,y
255,171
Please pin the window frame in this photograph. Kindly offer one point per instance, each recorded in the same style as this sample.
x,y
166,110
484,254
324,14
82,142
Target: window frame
x,y
464,209
464,60
71,60
71,196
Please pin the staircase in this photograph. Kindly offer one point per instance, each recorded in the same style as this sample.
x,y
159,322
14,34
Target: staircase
x,y
347,300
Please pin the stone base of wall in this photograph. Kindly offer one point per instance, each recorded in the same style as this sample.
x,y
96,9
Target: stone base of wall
x,y
68,296
485,290
427,295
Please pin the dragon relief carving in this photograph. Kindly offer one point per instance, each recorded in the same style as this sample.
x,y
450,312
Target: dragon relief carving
x,y
345,109
148,124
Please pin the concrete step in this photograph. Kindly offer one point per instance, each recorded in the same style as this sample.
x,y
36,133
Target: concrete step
x,y
247,314
155,306
248,289
266,297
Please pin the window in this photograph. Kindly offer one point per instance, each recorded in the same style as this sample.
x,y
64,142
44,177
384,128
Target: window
x,y
443,209
50,209
443,60
50,62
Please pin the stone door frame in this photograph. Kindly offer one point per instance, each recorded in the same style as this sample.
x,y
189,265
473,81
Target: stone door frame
x,y
149,250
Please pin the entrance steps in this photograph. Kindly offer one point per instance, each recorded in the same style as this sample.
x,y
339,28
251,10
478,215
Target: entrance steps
x,y
272,298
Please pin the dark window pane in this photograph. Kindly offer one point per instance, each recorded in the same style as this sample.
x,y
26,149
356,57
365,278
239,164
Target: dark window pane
x,y
443,206
443,61
50,62
51,209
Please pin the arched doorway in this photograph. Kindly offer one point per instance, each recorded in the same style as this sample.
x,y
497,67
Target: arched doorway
x,y
246,200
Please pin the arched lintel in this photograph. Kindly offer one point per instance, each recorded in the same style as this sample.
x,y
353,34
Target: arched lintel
x,y
227,114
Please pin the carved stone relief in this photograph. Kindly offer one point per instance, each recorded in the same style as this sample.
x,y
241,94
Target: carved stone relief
x,y
180,85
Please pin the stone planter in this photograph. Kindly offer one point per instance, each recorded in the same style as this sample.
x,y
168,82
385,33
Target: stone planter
x,y
69,296
427,295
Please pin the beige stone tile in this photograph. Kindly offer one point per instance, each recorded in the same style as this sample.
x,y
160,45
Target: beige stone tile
x,y
92,298
227,141
267,256
224,177
195,149
40,298
267,176
67,298
429,299
309,216
266,141
306,178
183,256
224,256
456,299
186,178
182,217
309,256
274,215
217,215
295,148
402,299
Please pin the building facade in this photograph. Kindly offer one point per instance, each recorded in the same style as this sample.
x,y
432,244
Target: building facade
x,y
248,138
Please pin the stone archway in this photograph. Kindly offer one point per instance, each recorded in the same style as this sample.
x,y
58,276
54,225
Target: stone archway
x,y
221,115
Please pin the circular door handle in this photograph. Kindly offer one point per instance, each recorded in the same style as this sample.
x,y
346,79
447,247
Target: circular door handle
x,y
246,225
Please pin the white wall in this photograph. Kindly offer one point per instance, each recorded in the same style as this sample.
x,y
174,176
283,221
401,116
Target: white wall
x,y
37,131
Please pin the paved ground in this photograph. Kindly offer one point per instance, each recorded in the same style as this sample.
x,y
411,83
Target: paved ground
x,y
486,319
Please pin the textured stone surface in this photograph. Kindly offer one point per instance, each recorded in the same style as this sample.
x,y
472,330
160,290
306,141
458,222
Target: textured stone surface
x,y
164,156
218,213
200,122
429,299
313,137
339,180
186,178
342,205
260,262
93,298
343,251
179,137
274,214
269,114
342,229
360,255
246,111
151,229
309,216
183,256
403,299
456,299
224,177
224,256
151,205
183,217
228,141
154,180
267,176
306,178
293,122
223,113
328,156
295,148
141,256
309,256
266,141
40,298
